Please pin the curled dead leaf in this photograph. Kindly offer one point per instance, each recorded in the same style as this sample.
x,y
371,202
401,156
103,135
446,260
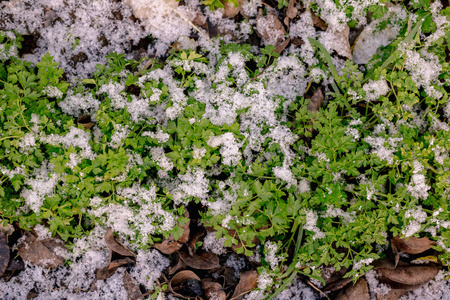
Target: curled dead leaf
x,y
4,253
213,290
412,245
131,286
358,291
410,275
180,281
179,266
203,261
41,253
248,282
168,246
111,268
115,245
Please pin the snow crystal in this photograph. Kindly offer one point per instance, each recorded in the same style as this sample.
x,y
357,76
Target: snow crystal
x,y
72,35
418,188
270,254
297,290
79,104
375,89
52,92
229,148
149,266
212,244
311,225
418,217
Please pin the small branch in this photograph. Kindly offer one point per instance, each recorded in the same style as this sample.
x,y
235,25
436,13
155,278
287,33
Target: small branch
x,y
317,289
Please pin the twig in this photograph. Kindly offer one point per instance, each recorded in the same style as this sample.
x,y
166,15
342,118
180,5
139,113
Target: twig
x,y
317,289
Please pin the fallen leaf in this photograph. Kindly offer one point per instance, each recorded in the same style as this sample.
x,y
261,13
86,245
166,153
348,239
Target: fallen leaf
x,y
247,283
213,290
49,17
111,268
337,285
392,295
168,246
4,253
41,253
15,265
282,46
337,39
198,233
370,40
316,101
179,266
358,291
425,259
329,274
291,12
204,261
269,28
229,10
7,230
412,245
131,286
115,245
180,281
186,230
318,22
85,121
410,275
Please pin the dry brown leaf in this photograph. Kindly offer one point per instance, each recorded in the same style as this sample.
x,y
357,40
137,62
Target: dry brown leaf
x,y
318,22
179,266
316,101
392,295
213,290
291,12
204,261
186,230
4,253
330,274
410,275
131,286
115,245
412,245
41,253
168,246
194,239
85,120
7,230
230,11
180,279
111,268
282,46
358,291
338,40
337,285
247,283
269,28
